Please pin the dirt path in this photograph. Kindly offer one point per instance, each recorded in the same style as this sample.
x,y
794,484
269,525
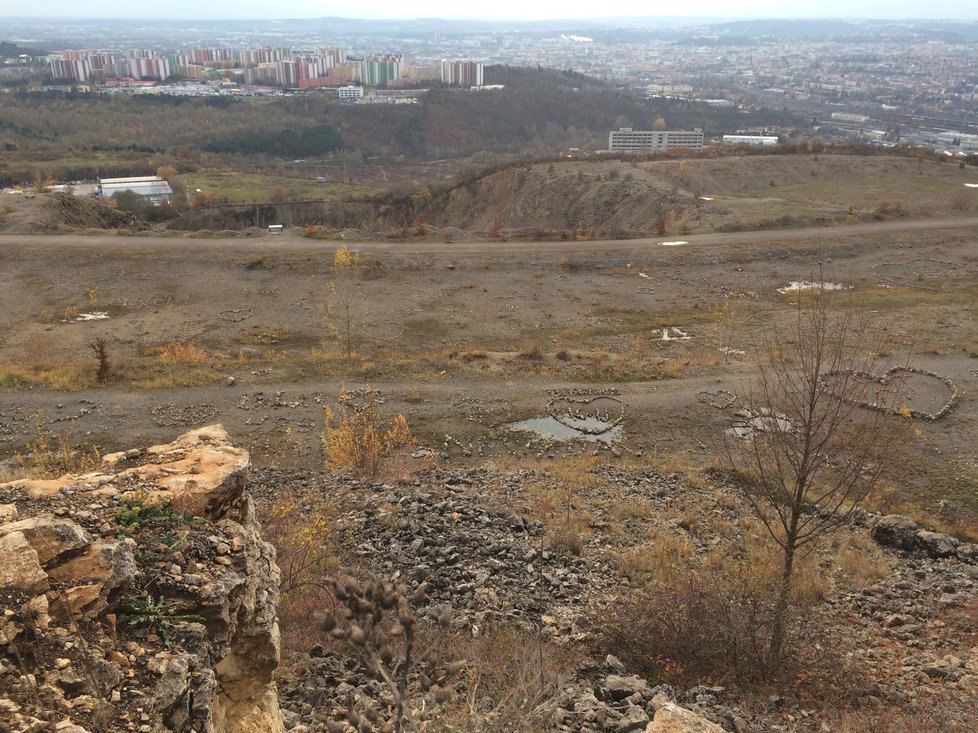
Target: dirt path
x,y
295,243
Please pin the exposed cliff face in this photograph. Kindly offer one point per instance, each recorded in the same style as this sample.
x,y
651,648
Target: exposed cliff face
x,y
140,597
532,197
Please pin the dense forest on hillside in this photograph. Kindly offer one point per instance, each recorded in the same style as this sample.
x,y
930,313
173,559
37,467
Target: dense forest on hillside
x,y
12,50
538,112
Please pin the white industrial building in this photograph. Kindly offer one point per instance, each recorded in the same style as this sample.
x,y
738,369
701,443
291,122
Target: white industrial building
x,y
153,188
350,93
850,117
627,140
760,140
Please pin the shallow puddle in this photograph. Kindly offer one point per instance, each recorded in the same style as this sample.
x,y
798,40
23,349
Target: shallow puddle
x,y
570,428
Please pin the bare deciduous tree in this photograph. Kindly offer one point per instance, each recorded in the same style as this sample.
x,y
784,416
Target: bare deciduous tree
x,y
346,304
810,456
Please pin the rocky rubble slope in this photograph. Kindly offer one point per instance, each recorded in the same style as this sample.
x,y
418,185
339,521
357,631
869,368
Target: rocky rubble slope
x,y
462,533
139,597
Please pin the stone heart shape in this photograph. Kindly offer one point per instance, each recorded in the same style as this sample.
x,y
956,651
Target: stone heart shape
x,y
927,395
590,415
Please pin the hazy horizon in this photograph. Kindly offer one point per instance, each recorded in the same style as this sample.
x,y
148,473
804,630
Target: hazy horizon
x,y
503,10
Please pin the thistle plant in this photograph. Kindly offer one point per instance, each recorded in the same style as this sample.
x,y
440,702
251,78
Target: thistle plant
x,y
375,621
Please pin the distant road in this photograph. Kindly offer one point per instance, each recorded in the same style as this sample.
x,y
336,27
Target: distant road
x,y
297,243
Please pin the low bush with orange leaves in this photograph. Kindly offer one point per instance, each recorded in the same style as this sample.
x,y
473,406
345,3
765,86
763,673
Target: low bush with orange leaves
x,y
300,528
356,437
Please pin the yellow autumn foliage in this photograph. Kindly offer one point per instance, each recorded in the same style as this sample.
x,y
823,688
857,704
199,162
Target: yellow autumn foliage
x,y
357,438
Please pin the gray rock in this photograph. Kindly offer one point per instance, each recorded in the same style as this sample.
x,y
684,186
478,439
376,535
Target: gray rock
x,y
616,687
937,544
634,718
896,531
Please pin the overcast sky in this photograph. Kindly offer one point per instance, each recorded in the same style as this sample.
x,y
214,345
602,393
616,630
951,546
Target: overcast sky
x,y
248,9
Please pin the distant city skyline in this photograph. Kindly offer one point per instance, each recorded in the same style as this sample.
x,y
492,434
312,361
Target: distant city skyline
x,y
499,10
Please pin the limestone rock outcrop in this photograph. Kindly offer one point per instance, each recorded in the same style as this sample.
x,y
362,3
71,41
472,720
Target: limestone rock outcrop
x,y
670,718
139,597
902,533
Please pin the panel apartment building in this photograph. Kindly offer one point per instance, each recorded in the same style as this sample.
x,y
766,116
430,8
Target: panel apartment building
x,y
627,140
462,73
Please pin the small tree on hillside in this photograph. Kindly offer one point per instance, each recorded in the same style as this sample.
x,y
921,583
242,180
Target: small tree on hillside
x,y
421,198
811,455
177,185
42,181
131,202
346,305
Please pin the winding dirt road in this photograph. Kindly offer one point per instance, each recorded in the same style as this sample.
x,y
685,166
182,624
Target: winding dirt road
x,y
296,243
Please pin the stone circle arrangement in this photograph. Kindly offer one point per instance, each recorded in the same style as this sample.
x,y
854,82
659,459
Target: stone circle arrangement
x,y
913,273
236,315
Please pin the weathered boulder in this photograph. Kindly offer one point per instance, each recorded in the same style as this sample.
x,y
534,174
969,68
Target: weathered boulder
x,y
182,601
617,688
896,531
633,718
670,718
22,582
937,544
902,533
21,567
200,472
107,567
50,537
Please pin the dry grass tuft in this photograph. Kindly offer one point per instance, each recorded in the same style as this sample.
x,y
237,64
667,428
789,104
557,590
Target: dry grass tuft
x,y
704,618
52,456
530,351
356,438
177,352
64,377
859,559
512,681
474,355
897,720
665,553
